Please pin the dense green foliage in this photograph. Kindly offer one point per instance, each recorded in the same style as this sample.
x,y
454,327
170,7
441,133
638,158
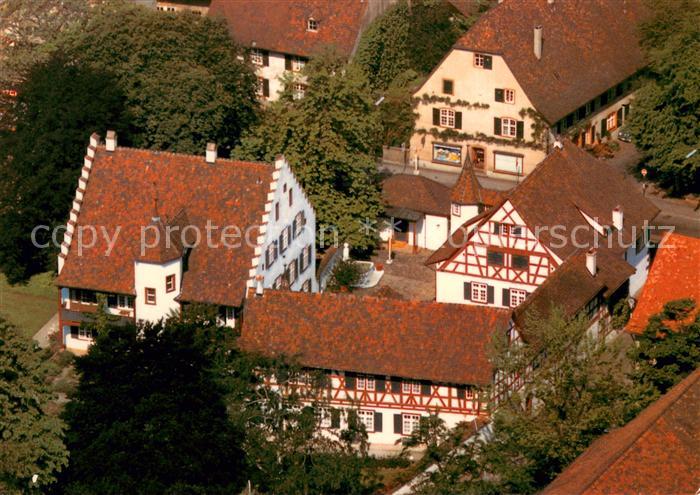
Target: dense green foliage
x,y
346,274
330,138
667,351
32,440
183,82
42,144
664,119
400,48
579,388
149,417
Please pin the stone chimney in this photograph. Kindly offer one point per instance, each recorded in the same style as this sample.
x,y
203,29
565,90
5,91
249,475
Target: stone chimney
x,y
111,141
259,286
211,153
538,42
618,218
591,263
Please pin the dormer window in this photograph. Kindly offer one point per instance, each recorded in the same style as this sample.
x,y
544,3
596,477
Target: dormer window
x,y
312,24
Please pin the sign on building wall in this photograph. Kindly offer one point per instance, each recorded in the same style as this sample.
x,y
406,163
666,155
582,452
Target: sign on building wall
x,y
447,154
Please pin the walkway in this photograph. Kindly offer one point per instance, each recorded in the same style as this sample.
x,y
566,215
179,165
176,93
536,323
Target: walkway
x,y
42,336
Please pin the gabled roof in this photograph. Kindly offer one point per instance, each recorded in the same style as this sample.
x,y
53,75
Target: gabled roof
x,y
657,453
588,47
566,184
674,274
572,286
120,193
419,340
417,193
281,25
468,191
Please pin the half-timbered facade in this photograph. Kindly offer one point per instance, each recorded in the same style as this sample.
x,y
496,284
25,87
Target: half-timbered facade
x,y
388,362
570,204
151,231
524,74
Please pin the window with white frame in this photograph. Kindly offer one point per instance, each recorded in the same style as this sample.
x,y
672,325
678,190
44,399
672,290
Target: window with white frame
x,y
447,117
611,122
367,419
410,423
509,127
298,64
365,383
170,283
150,294
298,91
324,418
299,222
293,271
516,297
409,387
509,95
456,209
305,259
311,24
256,56
284,239
84,333
479,292
479,60
271,254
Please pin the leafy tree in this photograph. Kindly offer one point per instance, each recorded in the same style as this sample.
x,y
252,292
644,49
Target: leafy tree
x,y
574,390
330,138
666,111
149,416
42,144
32,440
183,82
667,351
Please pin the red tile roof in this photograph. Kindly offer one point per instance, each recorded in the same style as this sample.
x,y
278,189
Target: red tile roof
x,y
657,453
674,274
121,190
468,191
588,47
420,340
416,193
280,25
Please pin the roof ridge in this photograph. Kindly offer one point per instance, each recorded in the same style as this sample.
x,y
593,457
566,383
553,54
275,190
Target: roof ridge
x,y
679,389
102,147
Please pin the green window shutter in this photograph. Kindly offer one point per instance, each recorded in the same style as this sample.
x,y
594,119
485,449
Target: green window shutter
x,y
378,420
352,418
436,116
488,62
266,87
467,291
266,58
380,384
497,126
458,120
603,128
519,129
395,386
489,294
499,95
287,62
335,418
506,297
397,424
349,381
461,392
425,388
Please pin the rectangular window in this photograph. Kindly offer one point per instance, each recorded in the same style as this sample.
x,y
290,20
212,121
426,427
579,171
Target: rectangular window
x,y
312,25
516,231
277,211
271,254
494,258
365,383
299,222
447,117
170,283
516,297
479,293
292,271
324,418
298,64
409,387
611,122
284,240
448,86
150,294
509,127
305,259
367,419
256,56
306,286
298,91
410,423
84,333
482,61
451,155
456,209
278,282
512,164
520,262
291,196
509,95
496,228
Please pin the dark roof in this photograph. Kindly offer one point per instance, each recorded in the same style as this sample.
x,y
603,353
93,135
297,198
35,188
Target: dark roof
x,y
572,286
566,183
280,25
417,193
657,453
674,274
121,190
588,47
420,340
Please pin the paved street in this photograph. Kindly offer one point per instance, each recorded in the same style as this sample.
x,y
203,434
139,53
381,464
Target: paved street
x,y
683,215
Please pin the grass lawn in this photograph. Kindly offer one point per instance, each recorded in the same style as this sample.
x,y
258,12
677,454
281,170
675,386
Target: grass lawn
x,y
31,305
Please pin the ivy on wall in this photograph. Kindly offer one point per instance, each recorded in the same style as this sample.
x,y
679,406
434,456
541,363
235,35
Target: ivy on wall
x,y
427,99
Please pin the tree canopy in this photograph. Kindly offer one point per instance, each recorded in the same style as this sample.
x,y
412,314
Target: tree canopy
x,y
330,138
32,440
666,111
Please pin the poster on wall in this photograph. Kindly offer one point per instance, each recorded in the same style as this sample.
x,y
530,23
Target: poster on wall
x,y
447,154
